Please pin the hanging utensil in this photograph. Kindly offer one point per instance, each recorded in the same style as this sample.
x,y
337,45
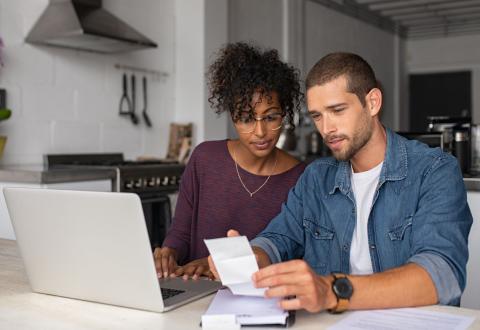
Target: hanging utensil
x,y
144,112
133,116
125,106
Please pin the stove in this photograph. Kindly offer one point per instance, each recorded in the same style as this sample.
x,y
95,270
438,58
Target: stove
x,y
152,181
131,176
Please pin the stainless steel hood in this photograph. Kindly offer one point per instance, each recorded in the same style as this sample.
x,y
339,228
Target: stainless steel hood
x,y
85,25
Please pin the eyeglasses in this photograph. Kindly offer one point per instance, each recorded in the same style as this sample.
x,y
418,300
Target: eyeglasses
x,y
247,123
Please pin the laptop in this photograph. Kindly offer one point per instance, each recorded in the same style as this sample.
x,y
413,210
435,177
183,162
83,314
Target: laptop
x,y
93,246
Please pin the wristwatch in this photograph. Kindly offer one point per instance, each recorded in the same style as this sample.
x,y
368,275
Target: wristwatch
x,y
343,290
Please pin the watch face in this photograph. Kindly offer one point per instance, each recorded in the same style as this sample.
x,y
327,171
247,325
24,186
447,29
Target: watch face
x,y
343,288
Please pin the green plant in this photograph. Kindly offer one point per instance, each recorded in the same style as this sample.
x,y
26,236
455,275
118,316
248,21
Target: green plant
x,y
5,114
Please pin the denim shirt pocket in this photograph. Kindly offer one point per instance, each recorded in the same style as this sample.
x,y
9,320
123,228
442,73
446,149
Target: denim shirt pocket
x,y
400,237
318,246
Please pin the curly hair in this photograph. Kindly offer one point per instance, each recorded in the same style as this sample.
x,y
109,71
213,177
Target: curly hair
x,y
242,69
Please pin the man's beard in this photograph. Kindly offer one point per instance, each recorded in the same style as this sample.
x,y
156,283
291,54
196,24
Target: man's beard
x,y
359,139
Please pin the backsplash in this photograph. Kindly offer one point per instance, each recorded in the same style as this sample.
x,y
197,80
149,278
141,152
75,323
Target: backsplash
x,y
67,101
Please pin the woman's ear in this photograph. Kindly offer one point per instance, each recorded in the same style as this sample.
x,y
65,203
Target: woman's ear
x,y
374,101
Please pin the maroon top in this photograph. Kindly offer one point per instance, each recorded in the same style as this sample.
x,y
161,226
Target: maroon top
x,y
212,200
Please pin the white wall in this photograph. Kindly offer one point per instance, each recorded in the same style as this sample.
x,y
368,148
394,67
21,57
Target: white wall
x,y
448,54
268,24
67,100
200,30
257,21
216,36
329,31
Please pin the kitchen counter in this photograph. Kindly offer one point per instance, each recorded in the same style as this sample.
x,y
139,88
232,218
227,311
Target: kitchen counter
x,y
37,174
472,182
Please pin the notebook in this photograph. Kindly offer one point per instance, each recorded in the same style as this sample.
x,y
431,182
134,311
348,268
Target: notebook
x,y
249,310
93,246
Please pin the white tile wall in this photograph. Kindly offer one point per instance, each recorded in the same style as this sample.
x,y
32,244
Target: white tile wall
x,y
67,101
75,136
27,137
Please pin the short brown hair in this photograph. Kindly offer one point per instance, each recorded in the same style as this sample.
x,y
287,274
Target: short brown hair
x,y
359,74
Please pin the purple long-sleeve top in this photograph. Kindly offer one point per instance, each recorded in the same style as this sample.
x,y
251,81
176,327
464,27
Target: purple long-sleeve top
x,y
212,200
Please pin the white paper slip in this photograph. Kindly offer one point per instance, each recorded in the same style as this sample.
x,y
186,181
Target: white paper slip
x,y
235,263
248,310
403,318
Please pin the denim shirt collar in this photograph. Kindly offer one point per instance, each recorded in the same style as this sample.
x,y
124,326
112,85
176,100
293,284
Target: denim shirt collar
x,y
395,165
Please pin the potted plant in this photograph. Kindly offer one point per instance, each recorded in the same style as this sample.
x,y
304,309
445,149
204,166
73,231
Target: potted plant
x,y
4,112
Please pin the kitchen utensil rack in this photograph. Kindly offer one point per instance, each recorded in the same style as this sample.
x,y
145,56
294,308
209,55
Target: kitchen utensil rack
x,y
157,75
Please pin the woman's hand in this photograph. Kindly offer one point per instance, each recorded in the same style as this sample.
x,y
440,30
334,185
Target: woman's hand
x,y
165,261
195,269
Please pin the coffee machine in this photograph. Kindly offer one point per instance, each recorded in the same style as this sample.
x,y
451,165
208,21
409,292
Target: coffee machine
x,y
456,133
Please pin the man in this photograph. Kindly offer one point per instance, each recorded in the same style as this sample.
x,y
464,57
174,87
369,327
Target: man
x,y
383,224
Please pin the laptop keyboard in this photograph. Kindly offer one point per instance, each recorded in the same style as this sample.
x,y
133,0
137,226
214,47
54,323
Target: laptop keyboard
x,y
168,293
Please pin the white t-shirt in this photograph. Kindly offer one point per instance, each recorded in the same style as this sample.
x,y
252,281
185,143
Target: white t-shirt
x,y
364,185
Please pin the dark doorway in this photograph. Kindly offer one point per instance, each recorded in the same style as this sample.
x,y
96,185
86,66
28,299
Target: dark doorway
x,y
439,94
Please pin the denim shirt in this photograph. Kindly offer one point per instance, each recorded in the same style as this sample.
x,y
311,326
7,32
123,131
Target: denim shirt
x,y
419,215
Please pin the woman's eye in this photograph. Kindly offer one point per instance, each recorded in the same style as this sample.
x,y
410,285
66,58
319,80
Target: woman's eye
x,y
315,116
272,117
246,120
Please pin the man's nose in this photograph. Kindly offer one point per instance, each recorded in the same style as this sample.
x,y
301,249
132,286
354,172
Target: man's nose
x,y
328,126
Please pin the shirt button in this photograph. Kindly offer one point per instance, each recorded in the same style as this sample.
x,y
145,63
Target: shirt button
x,y
345,247
372,246
317,233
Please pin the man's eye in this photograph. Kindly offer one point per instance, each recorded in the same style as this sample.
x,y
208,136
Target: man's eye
x,y
316,116
338,110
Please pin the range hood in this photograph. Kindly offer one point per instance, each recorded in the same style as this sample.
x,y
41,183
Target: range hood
x,y
85,25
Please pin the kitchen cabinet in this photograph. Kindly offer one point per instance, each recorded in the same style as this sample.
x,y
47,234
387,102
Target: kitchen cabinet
x,y
471,295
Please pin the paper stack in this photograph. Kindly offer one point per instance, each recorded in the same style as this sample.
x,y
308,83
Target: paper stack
x,y
242,303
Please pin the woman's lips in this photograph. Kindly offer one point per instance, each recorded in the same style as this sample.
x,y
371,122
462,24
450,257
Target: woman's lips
x,y
261,145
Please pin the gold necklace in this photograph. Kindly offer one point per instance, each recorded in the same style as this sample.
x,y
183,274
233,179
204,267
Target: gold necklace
x,y
240,178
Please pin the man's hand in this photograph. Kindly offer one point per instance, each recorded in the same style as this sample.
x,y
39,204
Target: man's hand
x,y
165,261
195,269
295,278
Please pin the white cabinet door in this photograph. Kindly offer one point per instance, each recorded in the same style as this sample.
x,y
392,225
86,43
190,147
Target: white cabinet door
x,y
471,295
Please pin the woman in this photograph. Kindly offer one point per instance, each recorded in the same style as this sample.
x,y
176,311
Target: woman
x,y
240,183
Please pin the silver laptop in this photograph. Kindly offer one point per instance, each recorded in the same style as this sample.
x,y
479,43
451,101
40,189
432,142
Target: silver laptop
x,y
93,246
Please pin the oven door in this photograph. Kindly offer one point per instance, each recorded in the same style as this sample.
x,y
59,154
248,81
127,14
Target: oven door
x,y
158,216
